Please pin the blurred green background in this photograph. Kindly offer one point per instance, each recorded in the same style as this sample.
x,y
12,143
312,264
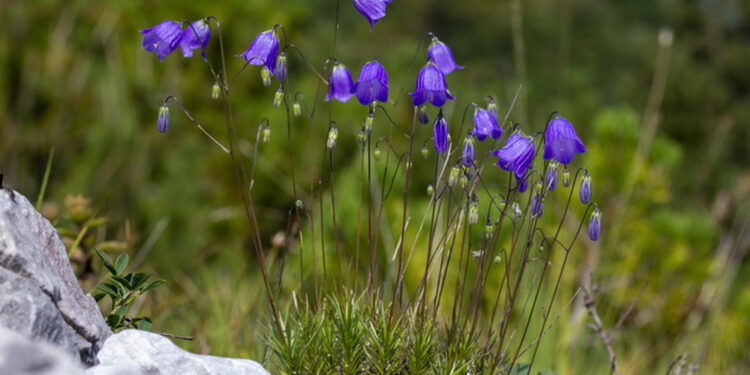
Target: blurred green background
x,y
658,90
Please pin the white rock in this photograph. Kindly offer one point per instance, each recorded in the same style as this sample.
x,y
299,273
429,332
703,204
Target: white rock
x,y
135,352
19,356
41,297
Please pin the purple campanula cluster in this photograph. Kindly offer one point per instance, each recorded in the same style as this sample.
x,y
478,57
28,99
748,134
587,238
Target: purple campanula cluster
x,y
431,87
373,10
372,84
561,142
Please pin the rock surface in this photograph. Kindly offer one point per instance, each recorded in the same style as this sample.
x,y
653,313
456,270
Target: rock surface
x,y
19,356
40,297
139,352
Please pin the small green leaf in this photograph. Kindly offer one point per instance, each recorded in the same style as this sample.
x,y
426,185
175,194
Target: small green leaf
x,y
109,290
144,323
139,279
123,282
107,261
152,285
121,263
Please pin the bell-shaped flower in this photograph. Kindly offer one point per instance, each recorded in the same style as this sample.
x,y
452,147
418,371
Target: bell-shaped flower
x,y
595,224
339,83
522,183
561,142
263,50
373,10
584,192
162,38
441,134
467,154
430,87
485,125
517,154
372,84
442,56
195,36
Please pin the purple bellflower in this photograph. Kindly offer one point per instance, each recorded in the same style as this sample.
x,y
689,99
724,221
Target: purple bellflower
x,y
561,142
595,224
263,50
195,36
339,83
485,125
162,38
372,84
517,154
441,134
467,154
373,10
442,56
431,87
584,192
522,183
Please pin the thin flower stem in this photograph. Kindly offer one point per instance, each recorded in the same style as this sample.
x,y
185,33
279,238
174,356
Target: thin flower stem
x,y
205,132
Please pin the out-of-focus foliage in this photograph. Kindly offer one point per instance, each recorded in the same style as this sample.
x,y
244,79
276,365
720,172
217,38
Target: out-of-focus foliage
x,y
73,77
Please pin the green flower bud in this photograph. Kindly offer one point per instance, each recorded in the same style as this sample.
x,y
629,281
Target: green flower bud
x,y
215,91
266,136
430,190
278,97
566,177
296,109
333,135
425,152
265,75
453,176
473,213
376,153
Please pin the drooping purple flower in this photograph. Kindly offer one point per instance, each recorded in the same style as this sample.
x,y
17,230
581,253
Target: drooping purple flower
x,y
595,224
442,56
195,36
517,154
551,178
430,87
162,122
561,142
522,183
339,83
485,125
373,10
263,50
441,134
372,84
537,205
467,154
584,192
162,38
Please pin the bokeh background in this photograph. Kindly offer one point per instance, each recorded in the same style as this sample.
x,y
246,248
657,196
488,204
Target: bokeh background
x,y
658,90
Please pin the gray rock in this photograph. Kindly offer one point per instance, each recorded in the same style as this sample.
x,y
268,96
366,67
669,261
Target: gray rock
x,y
41,298
19,356
134,352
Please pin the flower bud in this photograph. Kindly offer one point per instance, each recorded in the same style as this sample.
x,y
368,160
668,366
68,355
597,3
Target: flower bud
x,y
595,224
281,67
376,153
492,107
473,213
278,97
453,176
162,122
265,76
296,109
537,205
463,182
266,135
585,189
423,117
551,178
425,152
566,177
489,228
430,190
333,134
467,154
299,204
362,138
368,122
215,91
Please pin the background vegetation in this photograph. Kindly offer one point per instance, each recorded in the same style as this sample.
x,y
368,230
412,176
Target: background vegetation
x,y
666,124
